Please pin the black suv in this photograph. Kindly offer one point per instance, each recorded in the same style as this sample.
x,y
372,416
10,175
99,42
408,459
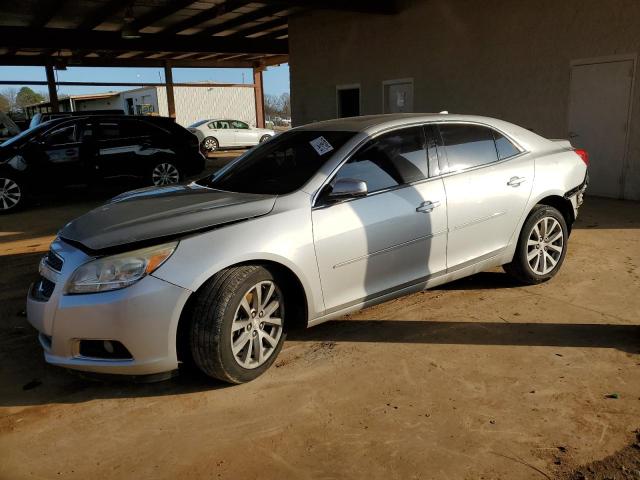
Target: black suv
x,y
85,149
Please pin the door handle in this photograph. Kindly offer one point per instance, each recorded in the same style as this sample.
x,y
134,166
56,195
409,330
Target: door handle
x,y
428,206
516,181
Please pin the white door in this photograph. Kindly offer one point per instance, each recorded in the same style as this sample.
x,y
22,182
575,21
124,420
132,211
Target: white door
x,y
244,136
222,131
398,96
599,105
487,198
393,237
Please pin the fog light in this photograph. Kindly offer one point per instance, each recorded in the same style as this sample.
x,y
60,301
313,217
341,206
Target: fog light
x,y
104,350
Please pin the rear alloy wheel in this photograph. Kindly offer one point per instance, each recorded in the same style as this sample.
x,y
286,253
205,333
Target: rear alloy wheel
x,y
210,144
11,195
264,138
541,248
238,324
165,174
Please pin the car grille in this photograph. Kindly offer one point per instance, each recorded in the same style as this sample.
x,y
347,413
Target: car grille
x,y
54,261
42,289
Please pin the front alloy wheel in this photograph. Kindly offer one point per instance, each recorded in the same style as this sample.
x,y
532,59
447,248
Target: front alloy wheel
x,y
257,325
238,323
11,195
165,174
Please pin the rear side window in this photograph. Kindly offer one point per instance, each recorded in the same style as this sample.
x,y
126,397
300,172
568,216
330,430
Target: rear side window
x,y
504,147
392,159
468,146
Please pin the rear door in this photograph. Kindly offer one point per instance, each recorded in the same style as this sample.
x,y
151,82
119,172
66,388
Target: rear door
x,y
123,146
488,186
395,236
244,135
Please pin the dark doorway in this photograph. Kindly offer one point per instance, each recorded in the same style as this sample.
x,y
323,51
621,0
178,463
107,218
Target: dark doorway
x,y
348,102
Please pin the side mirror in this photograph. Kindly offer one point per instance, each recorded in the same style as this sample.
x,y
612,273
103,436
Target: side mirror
x,y
348,188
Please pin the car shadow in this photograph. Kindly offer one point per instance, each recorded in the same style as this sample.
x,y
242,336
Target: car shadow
x,y
588,335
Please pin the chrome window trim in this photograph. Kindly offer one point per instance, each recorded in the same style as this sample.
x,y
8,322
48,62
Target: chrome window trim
x,y
354,150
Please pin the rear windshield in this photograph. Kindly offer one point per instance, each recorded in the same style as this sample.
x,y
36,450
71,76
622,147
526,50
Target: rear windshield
x,y
281,165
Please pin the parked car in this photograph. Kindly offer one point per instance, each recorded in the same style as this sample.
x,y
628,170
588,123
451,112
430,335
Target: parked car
x,y
8,127
85,149
41,117
215,134
320,221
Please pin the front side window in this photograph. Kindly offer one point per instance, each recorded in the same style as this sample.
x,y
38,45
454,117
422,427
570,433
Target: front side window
x,y
390,160
239,125
468,146
62,135
281,165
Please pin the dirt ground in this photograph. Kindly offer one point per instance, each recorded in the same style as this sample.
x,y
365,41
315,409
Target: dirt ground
x,y
475,380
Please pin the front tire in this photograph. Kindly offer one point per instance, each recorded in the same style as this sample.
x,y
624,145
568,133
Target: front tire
x,y
238,324
542,246
12,193
210,144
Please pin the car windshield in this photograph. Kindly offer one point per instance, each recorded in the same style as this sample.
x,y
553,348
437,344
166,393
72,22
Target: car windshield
x,y
281,165
26,135
198,123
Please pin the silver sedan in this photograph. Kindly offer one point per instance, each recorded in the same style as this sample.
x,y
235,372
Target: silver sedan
x,y
320,221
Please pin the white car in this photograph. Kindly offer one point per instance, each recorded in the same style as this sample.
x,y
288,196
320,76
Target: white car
x,y
320,221
215,134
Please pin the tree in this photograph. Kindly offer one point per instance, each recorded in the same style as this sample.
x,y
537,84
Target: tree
x,y
10,95
5,106
26,96
285,105
271,105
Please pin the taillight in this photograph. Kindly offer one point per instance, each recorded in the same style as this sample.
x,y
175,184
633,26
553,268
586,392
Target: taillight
x,y
584,155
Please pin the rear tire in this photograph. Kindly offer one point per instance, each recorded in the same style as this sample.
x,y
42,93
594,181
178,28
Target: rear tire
x,y
264,138
165,173
13,192
238,324
541,248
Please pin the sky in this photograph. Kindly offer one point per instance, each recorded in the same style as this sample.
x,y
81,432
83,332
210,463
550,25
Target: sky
x,y
276,79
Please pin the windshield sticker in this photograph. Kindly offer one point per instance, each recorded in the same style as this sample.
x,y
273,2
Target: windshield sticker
x,y
321,145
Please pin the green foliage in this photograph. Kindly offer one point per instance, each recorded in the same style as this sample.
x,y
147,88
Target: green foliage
x,y
26,96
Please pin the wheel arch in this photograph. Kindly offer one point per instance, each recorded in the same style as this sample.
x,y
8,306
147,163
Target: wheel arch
x,y
292,283
563,205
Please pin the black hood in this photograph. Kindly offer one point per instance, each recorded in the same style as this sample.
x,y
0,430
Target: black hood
x,y
155,213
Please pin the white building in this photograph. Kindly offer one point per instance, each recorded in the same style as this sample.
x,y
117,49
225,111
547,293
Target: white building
x,y
193,103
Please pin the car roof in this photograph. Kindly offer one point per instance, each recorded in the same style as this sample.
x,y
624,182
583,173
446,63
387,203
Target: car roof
x,y
372,124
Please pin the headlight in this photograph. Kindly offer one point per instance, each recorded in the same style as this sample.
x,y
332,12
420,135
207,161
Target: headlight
x,y
118,271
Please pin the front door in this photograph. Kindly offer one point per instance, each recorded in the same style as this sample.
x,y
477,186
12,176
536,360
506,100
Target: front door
x,y
62,150
599,105
393,237
488,189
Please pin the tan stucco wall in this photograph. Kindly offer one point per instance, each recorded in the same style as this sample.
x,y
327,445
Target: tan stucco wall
x,y
505,59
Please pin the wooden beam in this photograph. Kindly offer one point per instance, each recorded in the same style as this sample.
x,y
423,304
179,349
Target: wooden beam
x,y
156,14
125,84
59,38
171,101
259,94
103,13
261,27
53,93
258,14
41,60
206,15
